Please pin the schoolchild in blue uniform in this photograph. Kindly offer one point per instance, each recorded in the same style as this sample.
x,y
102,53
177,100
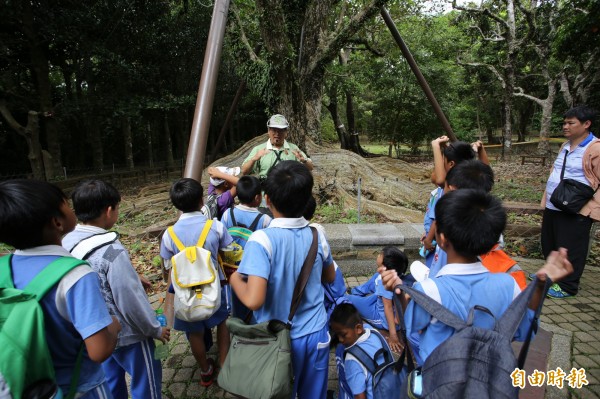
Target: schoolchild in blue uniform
x,y
374,302
272,261
249,193
96,205
34,216
469,223
186,195
347,325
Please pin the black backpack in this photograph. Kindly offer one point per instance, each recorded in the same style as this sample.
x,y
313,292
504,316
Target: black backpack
x,y
387,375
210,209
475,362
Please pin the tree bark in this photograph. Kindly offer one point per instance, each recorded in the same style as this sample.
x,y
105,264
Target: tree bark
x,y
31,134
40,72
168,143
127,141
299,75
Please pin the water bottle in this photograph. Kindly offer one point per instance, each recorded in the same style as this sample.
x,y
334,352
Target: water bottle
x,y
161,351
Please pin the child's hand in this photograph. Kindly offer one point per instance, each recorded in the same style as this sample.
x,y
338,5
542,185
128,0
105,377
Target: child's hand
x,y
165,335
395,345
477,146
147,284
557,266
440,141
389,278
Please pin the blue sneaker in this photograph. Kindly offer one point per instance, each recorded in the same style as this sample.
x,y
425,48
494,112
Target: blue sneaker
x,y
531,276
556,292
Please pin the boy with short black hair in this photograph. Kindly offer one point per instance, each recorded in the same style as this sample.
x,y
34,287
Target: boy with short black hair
x,y
34,215
347,325
249,194
469,223
186,195
96,205
374,302
273,258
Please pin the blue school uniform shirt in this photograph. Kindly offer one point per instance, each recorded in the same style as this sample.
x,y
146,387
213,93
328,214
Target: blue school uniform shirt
x,y
357,376
459,287
73,311
277,254
381,293
430,210
188,229
440,259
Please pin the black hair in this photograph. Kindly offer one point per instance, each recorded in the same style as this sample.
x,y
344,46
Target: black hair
x,y
471,174
248,187
26,207
91,197
582,113
186,195
289,186
394,259
472,220
346,315
311,207
458,151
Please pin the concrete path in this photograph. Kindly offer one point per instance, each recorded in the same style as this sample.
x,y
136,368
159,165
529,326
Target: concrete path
x,y
571,338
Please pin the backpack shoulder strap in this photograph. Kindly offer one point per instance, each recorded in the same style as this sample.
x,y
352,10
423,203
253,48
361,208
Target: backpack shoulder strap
x,y
6,280
255,221
434,309
204,233
232,217
84,248
51,275
175,239
363,358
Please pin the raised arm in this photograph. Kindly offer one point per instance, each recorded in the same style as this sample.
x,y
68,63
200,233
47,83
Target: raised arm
x,y
438,159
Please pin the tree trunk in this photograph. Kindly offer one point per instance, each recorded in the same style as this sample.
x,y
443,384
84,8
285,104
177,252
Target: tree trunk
x,y
335,116
546,123
127,141
31,134
149,148
40,72
168,143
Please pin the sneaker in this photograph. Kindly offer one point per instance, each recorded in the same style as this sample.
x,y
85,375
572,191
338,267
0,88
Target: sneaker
x,y
531,276
207,378
556,292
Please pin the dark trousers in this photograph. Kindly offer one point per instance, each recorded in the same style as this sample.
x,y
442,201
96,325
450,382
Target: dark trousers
x,y
560,229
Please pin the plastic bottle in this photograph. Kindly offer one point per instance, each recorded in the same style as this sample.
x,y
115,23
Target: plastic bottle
x,y
161,351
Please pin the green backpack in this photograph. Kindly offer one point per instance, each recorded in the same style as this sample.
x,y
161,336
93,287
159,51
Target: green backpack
x,y
25,362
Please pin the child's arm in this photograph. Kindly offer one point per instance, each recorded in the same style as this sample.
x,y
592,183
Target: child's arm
x,y
388,309
251,292
438,159
360,396
102,344
428,240
216,173
557,267
328,275
480,151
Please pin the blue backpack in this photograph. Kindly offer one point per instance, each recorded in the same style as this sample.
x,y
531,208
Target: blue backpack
x,y
388,376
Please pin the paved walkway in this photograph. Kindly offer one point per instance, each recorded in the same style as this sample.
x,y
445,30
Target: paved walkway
x,y
575,343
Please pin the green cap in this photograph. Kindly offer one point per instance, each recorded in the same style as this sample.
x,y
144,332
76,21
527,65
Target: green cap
x,y
159,311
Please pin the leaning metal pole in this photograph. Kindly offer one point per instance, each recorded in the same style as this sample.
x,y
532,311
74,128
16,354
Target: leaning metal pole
x,y
415,68
206,92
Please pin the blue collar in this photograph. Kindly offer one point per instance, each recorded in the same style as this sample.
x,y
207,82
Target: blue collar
x,y
587,140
